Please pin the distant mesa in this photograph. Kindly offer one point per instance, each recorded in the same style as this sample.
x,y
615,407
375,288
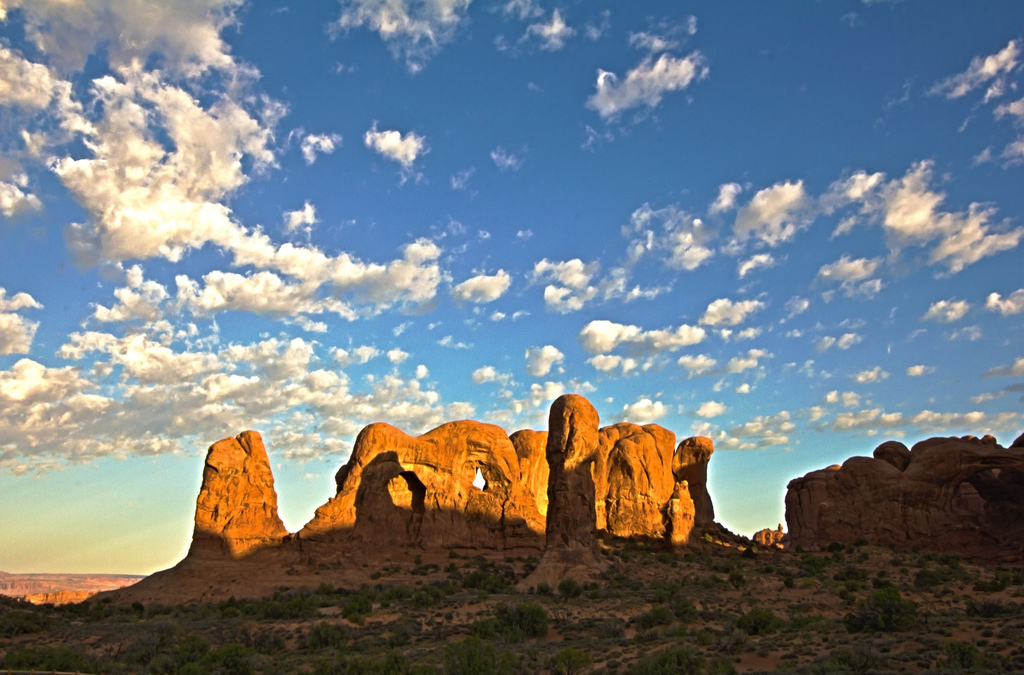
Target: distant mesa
x,y
949,495
550,494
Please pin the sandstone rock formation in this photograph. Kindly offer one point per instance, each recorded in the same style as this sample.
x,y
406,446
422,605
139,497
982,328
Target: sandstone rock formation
x,y
690,464
960,495
633,480
400,490
771,538
531,448
571,449
682,515
236,512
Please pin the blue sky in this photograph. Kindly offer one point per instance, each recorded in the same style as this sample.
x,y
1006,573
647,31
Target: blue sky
x,y
792,227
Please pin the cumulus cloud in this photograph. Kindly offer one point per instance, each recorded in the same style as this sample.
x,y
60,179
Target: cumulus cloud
x,y
677,236
391,144
397,355
482,288
551,35
797,305
139,299
725,312
414,30
855,276
13,198
755,262
490,374
918,371
572,284
751,360
16,332
775,214
981,71
602,336
358,355
304,217
1012,304
726,199
711,409
761,432
947,311
849,399
609,362
319,144
875,374
645,84
697,365
844,341
1016,369
644,411
539,360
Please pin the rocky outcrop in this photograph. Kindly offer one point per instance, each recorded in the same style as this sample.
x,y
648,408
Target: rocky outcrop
x,y
771,538
401,490
571,449
959,495
236,512
690,464
531,448
633,482
682,515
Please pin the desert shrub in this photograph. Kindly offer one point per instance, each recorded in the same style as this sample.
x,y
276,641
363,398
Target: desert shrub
x,y
20,622
268,643
326,635
543,589
231,659
570,661
46,658
986,608
527,619
860,659
473,656
357,607
569,588
395,663
190,650
928,578
671,661
759,621
885,610
961,655
684,610
610,628
657,616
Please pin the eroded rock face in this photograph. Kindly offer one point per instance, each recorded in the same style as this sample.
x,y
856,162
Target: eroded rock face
x,y
960,495
571,449
531,447
690,463
633,482
682,515
771,538
401,490
236,512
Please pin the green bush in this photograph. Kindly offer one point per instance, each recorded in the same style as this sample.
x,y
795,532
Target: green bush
x,y
568,588
473,656
759,621
327,635
357,607
684,610
231,659
528,619
46,658
885,610
671,661
19,622
570,661
962,655
657,616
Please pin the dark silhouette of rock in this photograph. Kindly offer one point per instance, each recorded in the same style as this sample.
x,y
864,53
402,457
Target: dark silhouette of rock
x,y
401,490
236,512
958,495
690,463
894,453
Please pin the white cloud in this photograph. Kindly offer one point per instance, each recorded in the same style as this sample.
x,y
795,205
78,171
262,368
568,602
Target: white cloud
x,y
844,341
775,214
797,305
358,355
697,365
644,411
482,288
24,84
849,399
490,374
743,389
751,360
652,42
138,299
397,356
1014,370
854,275
1013,304
710,409
552,35
17,301
761,432
725,312
413,29
13,200
539,360
16,332
947,311
324,144
918,371
726,199
461,178
680,237
971,333
571,289
524,9
392,145
449,341
646,84
608,362
602,336
980,71
506,160
876,374
294,220
755,262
